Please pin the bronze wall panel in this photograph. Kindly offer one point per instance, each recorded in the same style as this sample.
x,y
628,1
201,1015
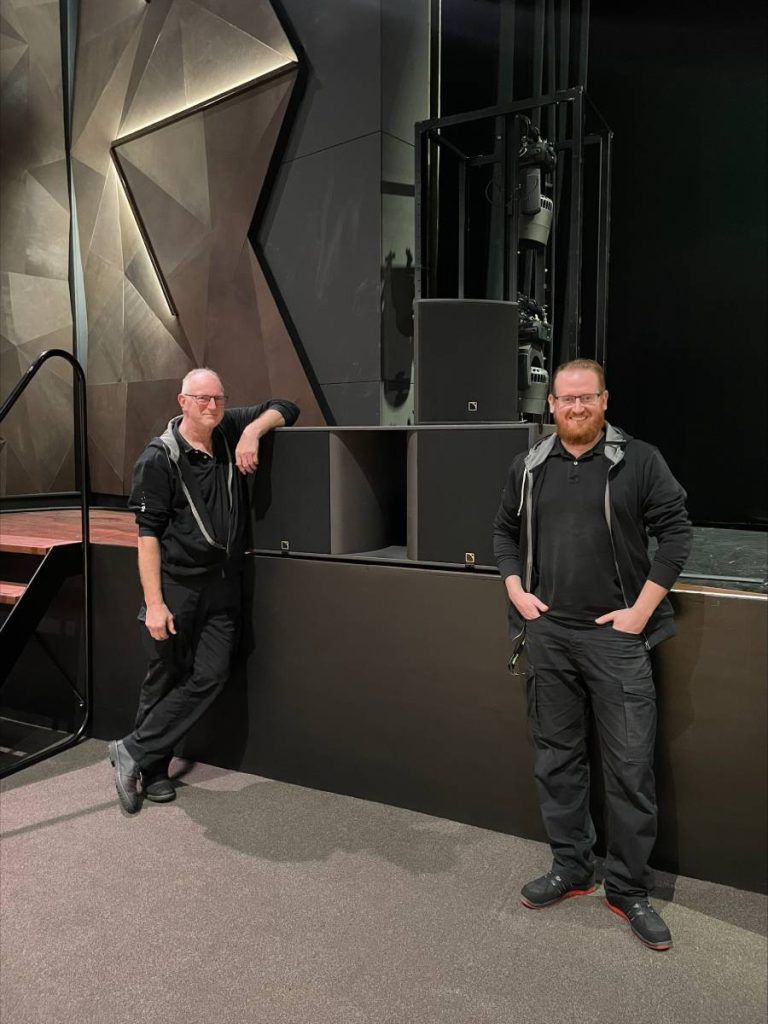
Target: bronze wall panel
x,y
163,225
35,312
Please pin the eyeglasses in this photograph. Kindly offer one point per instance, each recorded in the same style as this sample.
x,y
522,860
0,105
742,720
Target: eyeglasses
x,y
589,399
204,400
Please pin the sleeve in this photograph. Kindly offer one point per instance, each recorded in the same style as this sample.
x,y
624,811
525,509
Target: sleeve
x,y
238,418
506,525
666,518
150,497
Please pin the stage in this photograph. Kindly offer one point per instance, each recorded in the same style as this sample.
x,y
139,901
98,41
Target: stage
x,y
372,677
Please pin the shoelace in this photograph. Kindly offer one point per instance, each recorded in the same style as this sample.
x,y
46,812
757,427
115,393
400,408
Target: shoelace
x,y
641,910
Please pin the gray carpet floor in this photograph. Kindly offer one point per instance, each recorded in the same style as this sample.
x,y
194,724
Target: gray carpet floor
x,y
249,901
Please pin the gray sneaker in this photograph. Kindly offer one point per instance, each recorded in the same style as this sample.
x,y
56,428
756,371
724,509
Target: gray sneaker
x,y
126,776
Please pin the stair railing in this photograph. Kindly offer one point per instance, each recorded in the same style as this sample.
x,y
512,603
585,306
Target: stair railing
x,y
82,479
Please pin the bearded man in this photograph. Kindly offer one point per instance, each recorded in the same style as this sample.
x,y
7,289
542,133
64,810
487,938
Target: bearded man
x,y
571,544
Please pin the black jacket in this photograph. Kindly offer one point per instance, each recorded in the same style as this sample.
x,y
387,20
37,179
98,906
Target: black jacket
x,y
167,502
642,498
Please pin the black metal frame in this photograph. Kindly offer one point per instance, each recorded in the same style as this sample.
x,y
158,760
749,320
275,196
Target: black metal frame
x,y
82,482
430,139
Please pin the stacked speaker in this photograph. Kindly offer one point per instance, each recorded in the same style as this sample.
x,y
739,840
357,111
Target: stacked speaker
x,y
466,353
467,364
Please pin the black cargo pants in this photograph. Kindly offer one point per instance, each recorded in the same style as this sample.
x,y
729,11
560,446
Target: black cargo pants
x,y
569,669
188,670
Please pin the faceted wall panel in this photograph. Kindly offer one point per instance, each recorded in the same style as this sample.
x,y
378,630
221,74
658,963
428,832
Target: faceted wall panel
x,y
35,312
178,107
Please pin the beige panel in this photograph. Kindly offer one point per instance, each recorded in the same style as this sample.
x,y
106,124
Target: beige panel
x,y
161,90
53,178
173,231
150,405
189,285
35,312
232,338
106,426
104,32
219,56
240,136
100,125
151,352
258,20
105,241
168,161
34,306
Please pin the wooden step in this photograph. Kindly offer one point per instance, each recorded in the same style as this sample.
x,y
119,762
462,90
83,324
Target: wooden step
x,y
11,592
23,544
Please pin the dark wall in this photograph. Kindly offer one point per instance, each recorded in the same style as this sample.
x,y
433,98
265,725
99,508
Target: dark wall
x,y
684,89
340,218
683,86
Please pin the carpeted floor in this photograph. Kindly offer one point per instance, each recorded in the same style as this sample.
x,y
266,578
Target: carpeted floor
x,y
249,901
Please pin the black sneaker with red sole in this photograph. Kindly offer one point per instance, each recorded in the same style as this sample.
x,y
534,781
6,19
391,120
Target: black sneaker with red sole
x,y
645,922
552,888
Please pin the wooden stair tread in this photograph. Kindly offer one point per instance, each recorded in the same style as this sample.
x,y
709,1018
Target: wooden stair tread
x,y
44,529
11,592
26,544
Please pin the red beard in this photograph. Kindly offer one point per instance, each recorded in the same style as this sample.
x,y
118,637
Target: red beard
x,y
586,428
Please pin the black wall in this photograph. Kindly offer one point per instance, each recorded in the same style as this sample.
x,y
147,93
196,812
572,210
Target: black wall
x,y
684,88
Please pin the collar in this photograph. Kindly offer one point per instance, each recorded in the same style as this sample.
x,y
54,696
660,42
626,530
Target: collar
x,y
614,444
559,449
196,454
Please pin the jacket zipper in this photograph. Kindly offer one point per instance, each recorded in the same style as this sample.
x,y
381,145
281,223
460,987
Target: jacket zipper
x,y
520,638
607,513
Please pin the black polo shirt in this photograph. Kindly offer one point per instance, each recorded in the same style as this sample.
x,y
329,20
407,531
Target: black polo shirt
x,y
575,571
211,474
163,511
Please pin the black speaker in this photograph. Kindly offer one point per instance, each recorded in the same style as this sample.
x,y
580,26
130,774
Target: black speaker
x,y
327,491
466,361
455,479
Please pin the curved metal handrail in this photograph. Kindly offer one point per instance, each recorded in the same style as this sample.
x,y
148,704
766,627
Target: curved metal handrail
x,y
82,478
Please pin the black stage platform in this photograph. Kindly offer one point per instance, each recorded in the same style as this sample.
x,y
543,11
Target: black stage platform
x,y
369,675
389,682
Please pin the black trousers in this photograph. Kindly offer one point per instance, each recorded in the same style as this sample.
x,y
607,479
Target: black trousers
x,y
186,671
570,669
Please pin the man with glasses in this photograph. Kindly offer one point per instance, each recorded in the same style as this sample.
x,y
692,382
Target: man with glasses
x,y
571,544
189,496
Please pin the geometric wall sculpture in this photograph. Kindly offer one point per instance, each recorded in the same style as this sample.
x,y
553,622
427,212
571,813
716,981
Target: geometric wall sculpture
x,y
35,312
178,107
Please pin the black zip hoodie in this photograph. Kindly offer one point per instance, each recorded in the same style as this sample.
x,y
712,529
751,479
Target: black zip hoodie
x,y
642,499
167,502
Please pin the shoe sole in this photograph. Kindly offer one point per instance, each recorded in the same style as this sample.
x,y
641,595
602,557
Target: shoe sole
x,y
659,947
559,899
166,799
125,801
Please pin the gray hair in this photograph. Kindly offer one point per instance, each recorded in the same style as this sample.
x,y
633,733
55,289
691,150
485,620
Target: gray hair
x,y
193,373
